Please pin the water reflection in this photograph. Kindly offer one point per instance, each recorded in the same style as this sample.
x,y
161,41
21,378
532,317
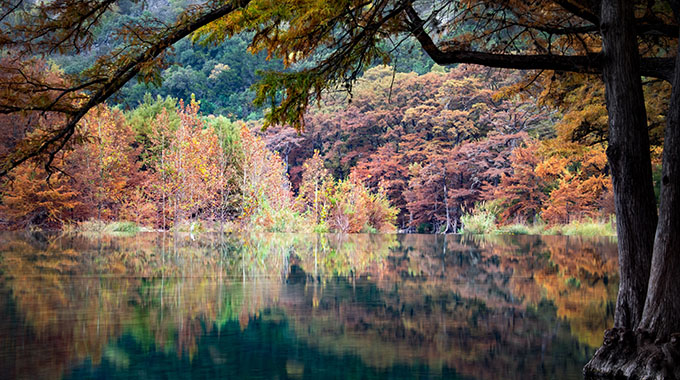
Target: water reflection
x,y
303,306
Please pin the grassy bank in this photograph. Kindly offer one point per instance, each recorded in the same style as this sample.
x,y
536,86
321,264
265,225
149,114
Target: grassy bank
x,y
484,222
103,227
478,223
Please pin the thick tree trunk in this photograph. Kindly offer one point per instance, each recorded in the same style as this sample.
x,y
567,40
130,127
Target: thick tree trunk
x,y
641,345
629,160
653,350
661,316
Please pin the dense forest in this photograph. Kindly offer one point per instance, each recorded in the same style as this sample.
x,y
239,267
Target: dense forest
x,y
454,149
414,147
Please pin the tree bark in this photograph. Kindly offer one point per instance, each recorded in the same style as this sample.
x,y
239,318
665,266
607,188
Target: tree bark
x,y
661,315
629,160
642,345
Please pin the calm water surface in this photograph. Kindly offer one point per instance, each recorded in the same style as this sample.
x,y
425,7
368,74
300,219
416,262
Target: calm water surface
x,y
302,306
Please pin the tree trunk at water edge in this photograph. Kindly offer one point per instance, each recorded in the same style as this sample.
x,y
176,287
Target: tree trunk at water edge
x,y
661,315
644,343
629,160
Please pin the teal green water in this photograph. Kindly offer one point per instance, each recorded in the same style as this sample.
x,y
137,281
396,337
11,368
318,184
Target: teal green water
x,y
154,306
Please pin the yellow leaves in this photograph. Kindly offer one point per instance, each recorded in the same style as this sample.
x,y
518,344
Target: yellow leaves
x,y
344,205
479,108
574,179
264,186
552,167
581,100
288,29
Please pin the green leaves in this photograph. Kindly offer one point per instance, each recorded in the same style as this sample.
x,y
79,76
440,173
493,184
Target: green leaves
x,y
288,95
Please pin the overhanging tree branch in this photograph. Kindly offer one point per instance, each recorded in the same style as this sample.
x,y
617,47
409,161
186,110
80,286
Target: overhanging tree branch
x,y
52,145
661,68
581,10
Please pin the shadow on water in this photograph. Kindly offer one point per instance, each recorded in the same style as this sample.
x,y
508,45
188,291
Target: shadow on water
x,y
277,306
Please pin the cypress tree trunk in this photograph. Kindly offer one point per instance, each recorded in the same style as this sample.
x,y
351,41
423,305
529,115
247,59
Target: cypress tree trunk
x,y
644,343
629,160
661,316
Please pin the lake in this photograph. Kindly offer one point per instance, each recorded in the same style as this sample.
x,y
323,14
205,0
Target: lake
x,y
284,306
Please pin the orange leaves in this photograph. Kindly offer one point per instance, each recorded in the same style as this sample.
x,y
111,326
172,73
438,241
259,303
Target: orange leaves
x,y
28,200
186,172
354,209
392,123
137,207
291,29
315,188
96,177
577,183
552,167
106,164
521,193
188,164
576,198
264,187
580,100
342,206
558,182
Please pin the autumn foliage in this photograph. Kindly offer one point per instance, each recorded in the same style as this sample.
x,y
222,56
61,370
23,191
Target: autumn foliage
x,y
437,144
406,151
342,205
170,167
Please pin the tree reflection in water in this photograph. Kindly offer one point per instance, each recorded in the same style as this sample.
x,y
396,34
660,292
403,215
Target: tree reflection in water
x,y
287,306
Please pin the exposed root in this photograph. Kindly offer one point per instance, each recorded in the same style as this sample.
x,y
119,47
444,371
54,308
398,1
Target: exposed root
x,y
635,355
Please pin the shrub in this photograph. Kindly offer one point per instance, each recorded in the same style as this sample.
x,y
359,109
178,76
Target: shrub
x,y
574,282
94,226
481,220
122,227
320,228
286,220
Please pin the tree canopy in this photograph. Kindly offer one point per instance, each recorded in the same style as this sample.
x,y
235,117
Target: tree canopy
x,y
324,45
